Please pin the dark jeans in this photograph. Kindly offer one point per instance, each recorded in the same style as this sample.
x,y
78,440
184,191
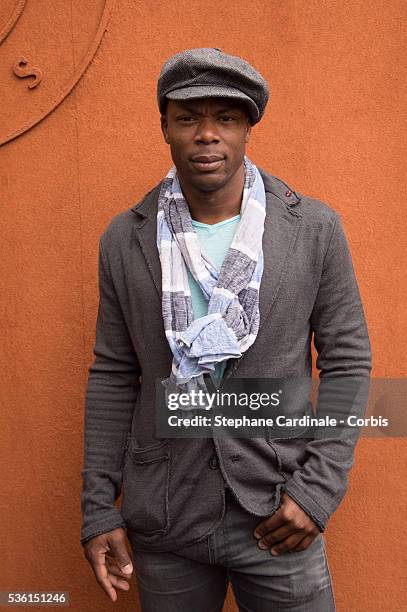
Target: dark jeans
x,y
195,578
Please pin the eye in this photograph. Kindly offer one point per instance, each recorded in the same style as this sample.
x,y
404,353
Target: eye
x,y
186,119
226,118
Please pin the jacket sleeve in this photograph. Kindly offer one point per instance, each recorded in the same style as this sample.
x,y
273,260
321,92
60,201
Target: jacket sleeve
x,y
112,388
344,360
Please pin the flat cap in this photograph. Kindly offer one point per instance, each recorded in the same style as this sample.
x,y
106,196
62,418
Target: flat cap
x,y
207,73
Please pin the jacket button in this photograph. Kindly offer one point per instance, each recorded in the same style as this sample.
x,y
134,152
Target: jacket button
x,y
213,463
288,193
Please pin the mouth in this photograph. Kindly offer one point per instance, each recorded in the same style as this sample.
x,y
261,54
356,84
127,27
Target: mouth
x,y
207,163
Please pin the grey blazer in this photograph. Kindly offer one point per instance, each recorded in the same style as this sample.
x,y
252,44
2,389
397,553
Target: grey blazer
x,y
172,489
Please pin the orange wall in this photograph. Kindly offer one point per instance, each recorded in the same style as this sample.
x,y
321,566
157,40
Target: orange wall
x,y
85,144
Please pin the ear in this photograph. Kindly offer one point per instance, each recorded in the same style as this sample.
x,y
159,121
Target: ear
x,y
164,128
248,132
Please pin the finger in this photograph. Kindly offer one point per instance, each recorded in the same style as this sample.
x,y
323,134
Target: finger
x,y
119,583
303,545
287,545
118,551
271,523
116,576
112,568
102,576
275,536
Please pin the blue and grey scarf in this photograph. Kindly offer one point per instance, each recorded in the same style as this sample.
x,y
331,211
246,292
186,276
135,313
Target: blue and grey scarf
x,y
232,322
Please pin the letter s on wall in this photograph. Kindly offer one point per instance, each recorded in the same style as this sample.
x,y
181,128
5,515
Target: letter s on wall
x,y
23,68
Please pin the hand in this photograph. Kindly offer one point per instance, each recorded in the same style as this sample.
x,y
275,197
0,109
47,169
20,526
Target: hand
x,y
108,556
290,529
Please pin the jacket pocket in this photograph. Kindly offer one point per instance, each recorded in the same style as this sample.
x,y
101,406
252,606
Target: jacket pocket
x,y
290,448
295,423
146,474
291,454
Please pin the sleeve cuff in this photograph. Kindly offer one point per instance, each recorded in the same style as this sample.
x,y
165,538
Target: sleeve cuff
x,y
314,510
102,526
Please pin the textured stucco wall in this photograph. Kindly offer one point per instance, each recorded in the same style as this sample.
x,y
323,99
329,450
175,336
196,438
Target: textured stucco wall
x,y
85,144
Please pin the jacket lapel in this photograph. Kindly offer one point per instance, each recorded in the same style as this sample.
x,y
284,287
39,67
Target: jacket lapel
x,y
280,231
145,229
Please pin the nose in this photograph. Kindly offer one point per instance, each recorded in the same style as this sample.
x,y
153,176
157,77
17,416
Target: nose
x,y
206,131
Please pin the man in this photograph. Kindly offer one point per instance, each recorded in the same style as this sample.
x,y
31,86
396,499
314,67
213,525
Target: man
x,y
221,270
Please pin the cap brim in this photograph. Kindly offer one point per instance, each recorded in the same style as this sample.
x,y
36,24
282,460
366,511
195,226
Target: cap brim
x,y
214,91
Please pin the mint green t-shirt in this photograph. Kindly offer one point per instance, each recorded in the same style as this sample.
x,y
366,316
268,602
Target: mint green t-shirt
x,y
215,241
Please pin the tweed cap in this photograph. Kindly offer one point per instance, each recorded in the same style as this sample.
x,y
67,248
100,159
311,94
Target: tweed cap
x,y
207,73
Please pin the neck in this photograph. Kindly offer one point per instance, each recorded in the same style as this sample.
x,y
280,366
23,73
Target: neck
x,y
214,206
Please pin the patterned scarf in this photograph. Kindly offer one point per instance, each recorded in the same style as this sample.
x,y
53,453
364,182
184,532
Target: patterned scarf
x,y
232,322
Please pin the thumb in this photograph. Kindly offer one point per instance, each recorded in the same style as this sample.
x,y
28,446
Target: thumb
x,y
126,565
127,568
119,551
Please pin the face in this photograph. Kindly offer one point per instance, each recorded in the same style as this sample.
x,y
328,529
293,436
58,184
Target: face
x,y
207,138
